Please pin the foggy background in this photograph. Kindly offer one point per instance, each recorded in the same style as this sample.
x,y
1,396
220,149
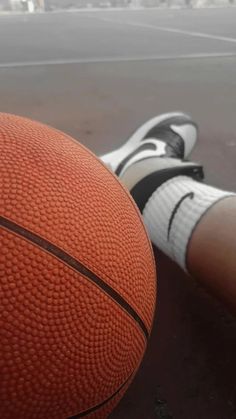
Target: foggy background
x,y
52,5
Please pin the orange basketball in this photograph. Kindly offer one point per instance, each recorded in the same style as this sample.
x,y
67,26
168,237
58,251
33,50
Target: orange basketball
x,y
77,278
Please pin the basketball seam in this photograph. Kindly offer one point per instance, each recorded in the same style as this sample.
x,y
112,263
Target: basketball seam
x,y
77,266
101,404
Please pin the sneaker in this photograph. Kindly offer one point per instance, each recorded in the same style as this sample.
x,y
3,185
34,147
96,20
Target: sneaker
x,y
155,153
170,135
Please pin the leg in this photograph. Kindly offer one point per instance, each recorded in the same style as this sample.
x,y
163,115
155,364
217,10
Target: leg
x,y
211,255
192,223
195,225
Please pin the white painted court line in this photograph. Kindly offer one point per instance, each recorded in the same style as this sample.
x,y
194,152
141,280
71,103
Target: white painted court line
x,y
168,29
101,60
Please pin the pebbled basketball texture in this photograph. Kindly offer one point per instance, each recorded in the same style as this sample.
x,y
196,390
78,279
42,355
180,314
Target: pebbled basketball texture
x,y
77,278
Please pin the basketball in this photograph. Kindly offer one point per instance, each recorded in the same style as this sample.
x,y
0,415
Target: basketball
x,y
77,278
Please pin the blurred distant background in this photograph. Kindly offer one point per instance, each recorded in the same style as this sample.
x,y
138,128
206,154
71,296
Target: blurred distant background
x,y
32,6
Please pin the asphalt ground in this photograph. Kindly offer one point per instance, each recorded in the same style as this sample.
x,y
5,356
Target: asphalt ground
x,y
97,76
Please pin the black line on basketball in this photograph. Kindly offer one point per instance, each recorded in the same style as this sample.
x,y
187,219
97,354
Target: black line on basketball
x,y
98,406
75,264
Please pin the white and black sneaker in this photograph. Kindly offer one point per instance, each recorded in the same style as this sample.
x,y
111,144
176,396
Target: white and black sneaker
x,y
171,135
155,153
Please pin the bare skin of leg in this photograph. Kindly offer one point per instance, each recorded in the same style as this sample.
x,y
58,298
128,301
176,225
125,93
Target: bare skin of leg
x,y
211,257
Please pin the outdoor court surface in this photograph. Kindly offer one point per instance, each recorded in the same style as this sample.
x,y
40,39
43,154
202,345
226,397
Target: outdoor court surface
x,y
98,75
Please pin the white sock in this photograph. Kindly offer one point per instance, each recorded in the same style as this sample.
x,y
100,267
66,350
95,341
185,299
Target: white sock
x,y
174,210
